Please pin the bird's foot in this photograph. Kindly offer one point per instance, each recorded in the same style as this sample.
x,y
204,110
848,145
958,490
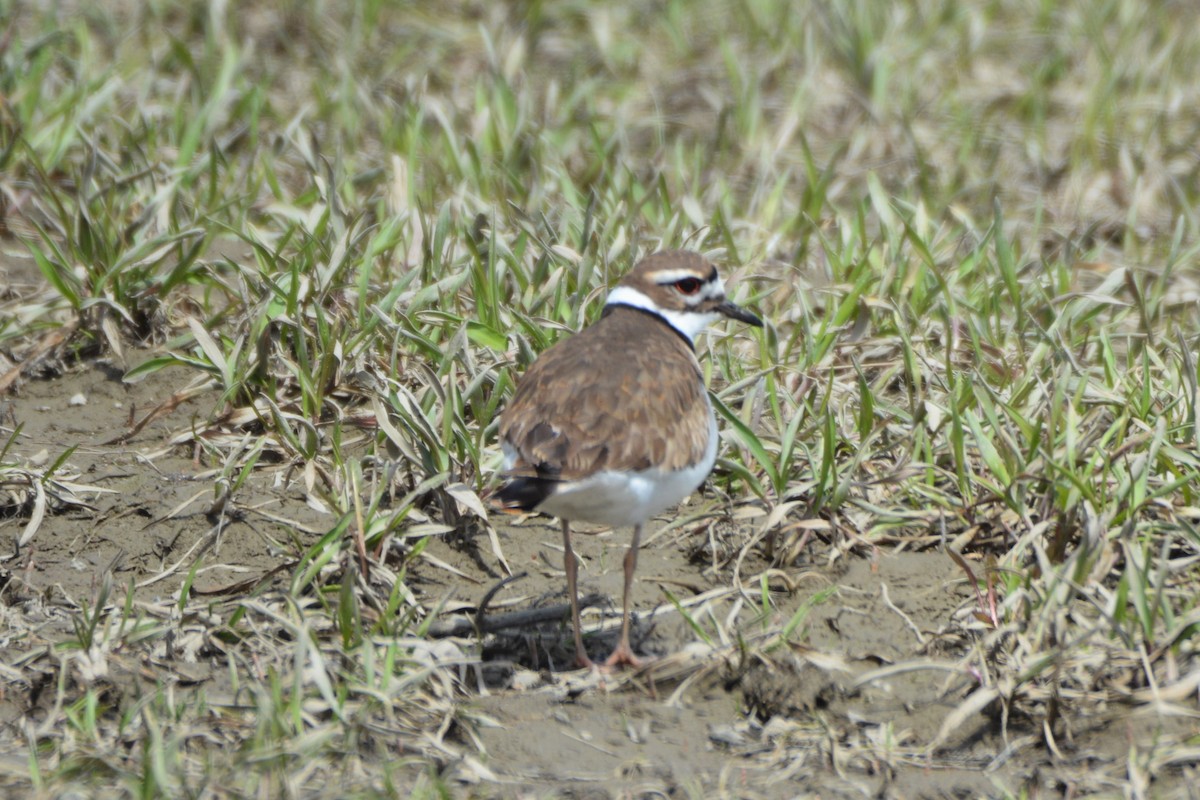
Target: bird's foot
x,y
623,657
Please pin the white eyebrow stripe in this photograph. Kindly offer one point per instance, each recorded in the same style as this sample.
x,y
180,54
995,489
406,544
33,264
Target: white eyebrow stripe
x,y
665,276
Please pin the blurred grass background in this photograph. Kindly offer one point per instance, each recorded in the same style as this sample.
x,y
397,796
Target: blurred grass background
x,y
972,225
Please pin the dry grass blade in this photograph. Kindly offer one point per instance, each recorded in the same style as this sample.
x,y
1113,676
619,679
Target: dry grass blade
x,y
971,707
36,516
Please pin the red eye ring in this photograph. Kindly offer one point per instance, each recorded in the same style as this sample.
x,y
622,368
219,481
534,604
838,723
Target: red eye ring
x,y
688,285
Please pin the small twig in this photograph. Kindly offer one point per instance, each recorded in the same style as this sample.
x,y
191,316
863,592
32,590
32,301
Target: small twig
x,y
883,592
202,545
246,586
481,610
161,410
462,626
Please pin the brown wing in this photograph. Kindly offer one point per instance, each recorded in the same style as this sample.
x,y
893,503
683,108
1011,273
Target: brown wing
x,y
625,394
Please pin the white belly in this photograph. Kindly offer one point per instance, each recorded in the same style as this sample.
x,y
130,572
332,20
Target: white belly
x,y
630,498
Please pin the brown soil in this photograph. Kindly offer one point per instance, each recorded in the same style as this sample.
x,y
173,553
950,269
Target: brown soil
x,y
156,506
828,717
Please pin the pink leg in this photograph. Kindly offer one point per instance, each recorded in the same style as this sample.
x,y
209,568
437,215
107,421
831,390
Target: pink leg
x,y
623,655
572,567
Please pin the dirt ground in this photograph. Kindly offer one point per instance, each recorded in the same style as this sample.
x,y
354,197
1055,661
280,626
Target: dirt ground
x,y
856,708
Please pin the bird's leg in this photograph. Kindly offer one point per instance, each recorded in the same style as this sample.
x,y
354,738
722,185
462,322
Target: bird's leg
x,y
623,655
572,566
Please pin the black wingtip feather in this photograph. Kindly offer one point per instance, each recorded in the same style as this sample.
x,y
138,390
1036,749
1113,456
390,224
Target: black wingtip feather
x,y
524,493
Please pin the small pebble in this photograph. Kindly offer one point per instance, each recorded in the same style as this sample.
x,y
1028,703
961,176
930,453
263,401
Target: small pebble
x,y
78,400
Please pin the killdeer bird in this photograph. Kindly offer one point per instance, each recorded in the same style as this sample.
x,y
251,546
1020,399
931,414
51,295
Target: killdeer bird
x,y
613,425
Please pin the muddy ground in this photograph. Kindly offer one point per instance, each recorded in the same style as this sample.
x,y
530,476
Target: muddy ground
x,y
851,708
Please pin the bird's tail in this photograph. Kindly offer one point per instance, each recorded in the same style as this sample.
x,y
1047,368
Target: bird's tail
x,y
522,493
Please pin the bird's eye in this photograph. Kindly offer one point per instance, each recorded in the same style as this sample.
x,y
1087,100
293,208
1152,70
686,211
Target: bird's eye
x,y
688,285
